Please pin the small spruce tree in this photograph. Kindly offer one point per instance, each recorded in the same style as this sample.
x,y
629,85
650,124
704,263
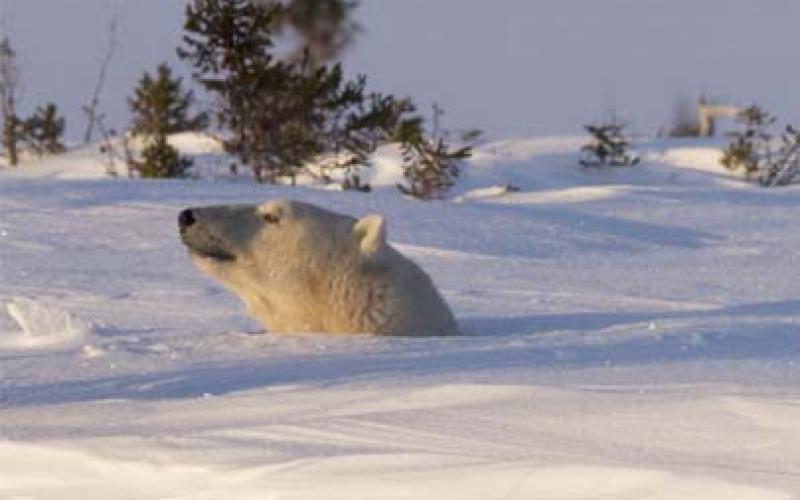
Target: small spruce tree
x,y
609,147
759,154
429,166
43,131
161,160
283,114
161,107
785,164
228,43
9,80
749,149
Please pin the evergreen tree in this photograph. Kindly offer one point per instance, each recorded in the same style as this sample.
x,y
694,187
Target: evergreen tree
x,y
227,42
43,130
750,149
773,161
784,166
609,147
286,113
161,160
282,113
161,107
376,119
9,79
429,166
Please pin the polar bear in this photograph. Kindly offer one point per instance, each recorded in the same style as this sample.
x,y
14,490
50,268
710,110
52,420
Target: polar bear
x,y
300,268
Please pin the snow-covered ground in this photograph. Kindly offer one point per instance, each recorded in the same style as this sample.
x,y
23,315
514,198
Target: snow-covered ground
x,y
629,333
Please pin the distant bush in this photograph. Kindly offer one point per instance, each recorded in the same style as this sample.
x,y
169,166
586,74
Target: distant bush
x,y
161,107
749,147
161,160
42,132
759,154
430,167
609,147
784,164
9,82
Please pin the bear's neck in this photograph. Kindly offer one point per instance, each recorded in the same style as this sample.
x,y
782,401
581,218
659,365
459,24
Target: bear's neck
x,y
352,300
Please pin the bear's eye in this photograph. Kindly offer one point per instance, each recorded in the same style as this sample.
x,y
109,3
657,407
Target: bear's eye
x,y
271,218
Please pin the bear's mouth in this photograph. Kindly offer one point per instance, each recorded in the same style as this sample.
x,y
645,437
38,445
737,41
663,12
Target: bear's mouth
x,y
214,254
208,250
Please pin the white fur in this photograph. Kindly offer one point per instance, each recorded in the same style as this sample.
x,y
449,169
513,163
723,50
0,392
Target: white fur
x,y
300,268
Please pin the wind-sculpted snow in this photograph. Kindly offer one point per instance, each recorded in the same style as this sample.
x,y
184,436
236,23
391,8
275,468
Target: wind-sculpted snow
x,y
630,333
39,324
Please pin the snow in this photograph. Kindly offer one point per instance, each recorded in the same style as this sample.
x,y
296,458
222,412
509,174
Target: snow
x,y
40,324
629,333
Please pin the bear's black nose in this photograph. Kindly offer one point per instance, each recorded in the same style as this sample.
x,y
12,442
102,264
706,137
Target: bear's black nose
x,y
186,219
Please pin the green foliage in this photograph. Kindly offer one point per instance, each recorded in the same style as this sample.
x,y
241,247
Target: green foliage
x,y
430,167
285,114
228,44
756,151
609,147
749,149
161,160
161,107
785,162
354,129
282,114
9,78
43,131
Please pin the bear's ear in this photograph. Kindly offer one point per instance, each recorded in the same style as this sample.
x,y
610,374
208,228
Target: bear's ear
x,y
371,234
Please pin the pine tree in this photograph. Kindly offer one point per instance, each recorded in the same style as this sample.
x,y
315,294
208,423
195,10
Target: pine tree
x,y
749,149
282,113
609,147
286,113
43,130
161,160
429,166
161,106
9,79
227,42
784,166
756,151
354,131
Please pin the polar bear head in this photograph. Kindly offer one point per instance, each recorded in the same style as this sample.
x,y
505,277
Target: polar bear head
x,y
281,251
300,268
278,243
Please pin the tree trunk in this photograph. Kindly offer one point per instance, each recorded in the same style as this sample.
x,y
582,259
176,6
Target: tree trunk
x,y
10,139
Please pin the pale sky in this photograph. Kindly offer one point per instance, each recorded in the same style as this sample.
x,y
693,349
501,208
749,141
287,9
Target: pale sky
x,y
511,67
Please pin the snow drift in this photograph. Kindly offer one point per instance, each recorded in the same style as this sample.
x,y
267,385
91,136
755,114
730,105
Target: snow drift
x,y
629,333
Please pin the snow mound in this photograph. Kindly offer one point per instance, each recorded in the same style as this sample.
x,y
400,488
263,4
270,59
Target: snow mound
x,y
196,143
40,324
72,473
631,333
